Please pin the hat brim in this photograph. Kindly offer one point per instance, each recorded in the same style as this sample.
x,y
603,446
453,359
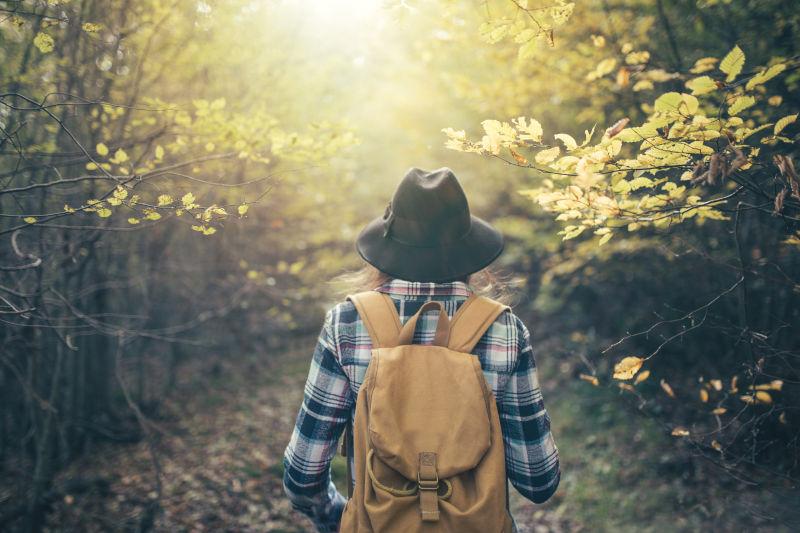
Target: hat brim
x,y
478,248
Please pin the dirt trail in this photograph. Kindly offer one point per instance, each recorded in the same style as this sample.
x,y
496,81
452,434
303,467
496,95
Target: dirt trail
x,y
222,438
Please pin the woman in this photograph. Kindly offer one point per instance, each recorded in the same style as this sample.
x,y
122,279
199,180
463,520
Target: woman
x,y
425,247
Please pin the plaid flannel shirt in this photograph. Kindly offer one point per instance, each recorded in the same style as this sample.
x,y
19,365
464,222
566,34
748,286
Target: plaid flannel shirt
x,y
337,370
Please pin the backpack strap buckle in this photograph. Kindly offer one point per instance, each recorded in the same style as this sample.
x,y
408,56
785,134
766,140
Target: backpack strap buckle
x,y
428,483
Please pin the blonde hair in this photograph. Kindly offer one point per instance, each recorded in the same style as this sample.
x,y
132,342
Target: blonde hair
x,y
486,282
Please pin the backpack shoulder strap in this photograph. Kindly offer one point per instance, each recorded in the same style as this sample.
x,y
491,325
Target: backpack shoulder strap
x,y
378,313
471,321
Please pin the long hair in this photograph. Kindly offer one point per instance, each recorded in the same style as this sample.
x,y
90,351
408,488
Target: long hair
x,y
487,282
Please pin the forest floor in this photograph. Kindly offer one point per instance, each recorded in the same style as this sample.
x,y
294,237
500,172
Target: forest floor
x,y
222,435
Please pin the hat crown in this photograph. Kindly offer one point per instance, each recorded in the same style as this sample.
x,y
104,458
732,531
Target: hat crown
x,y
428,209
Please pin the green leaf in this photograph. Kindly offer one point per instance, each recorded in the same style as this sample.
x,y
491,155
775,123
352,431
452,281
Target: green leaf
x,y
732,63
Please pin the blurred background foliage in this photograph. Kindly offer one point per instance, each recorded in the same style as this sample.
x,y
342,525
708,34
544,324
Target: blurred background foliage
x,y
180,181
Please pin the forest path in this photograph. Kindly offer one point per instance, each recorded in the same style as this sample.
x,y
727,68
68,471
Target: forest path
x,y
222,436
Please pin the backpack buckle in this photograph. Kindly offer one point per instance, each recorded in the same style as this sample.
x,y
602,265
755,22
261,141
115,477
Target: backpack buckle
x,y
428,483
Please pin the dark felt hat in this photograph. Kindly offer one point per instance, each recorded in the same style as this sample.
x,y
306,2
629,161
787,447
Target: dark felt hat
x,y
427,232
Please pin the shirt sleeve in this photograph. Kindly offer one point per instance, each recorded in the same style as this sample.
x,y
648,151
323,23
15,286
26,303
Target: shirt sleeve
x,y
532,463
326,406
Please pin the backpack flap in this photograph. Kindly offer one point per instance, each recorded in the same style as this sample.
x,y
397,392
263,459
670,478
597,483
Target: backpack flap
x,y
428,399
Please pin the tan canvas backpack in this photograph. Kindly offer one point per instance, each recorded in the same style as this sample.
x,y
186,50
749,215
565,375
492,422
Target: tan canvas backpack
x,y
426,439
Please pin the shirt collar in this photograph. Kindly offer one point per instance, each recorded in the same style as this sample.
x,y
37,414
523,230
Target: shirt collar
x,y
412,289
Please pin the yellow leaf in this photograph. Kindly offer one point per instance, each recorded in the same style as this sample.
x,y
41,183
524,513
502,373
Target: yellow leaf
x,y
188,200
782,123
120,156
643,375
680,431
732,63
765,76
159,152
529,129
243,209
547,156
133,221
701,85
603,67
627,367
30,220
704,64
120,192
740,104
209,231
44,42
637,58
703,395
776,384
91,166
719,411
763,397
104,212
716,445
668,102
150,214
101,149
91,27
568,140
605,238
590,379
666,388
68,209
717,384
164,200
